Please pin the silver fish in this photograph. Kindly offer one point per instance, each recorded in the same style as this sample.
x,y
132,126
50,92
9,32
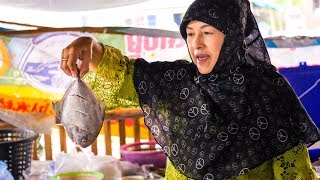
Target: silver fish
x,y
80,113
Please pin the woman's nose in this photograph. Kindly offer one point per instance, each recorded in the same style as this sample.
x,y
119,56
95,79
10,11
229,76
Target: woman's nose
x,y
198,42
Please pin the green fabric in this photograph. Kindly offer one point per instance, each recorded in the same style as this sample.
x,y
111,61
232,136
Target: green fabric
x,y
293,164
113,81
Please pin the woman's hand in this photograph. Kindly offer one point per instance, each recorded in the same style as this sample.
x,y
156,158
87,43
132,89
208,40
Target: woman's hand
x,y
87,50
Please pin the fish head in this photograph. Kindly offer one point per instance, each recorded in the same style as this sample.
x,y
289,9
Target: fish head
x,y
79,136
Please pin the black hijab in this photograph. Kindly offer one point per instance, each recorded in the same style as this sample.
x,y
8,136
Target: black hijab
x,y
225,123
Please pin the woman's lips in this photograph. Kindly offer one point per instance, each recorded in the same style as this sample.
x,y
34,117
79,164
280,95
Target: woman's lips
x,y
202,57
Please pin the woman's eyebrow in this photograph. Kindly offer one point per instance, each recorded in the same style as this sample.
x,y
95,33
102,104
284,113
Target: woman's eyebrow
x,y
204,26
190,28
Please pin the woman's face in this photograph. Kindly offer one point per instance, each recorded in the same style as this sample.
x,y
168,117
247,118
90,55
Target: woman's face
x,y
204,43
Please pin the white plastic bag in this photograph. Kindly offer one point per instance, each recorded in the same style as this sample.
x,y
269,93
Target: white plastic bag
x,y
87,161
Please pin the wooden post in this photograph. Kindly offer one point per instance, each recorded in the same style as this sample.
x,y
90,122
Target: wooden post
x,y
122,131
136,129
47,146
35,151
107,137
94,147
63,141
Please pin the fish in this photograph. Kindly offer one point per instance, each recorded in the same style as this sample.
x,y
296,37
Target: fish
x,y
80,112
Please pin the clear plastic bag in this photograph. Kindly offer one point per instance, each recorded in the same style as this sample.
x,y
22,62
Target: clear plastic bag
x,y
87,161
5,174
39,170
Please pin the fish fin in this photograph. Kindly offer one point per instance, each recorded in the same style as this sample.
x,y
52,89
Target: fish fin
x,y
57,109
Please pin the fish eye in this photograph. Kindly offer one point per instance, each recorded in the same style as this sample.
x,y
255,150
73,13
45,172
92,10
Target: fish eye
x,y
84,141
77,129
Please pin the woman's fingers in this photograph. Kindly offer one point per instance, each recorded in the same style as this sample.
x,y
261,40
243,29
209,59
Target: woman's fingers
x,y
72,62
86,57
79,51
68,62
64,61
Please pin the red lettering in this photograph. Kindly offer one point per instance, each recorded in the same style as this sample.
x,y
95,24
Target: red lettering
x,y
2,103
171,42
180,43
34,108
9,104
134,46
163,42
150,43
137,46
43,108
22,106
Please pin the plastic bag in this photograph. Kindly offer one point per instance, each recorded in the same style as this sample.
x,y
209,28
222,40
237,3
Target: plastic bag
x,y
37,122
39,170
87,161
5,174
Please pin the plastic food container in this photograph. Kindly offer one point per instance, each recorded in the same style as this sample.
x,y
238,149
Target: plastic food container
x,y
78,176
133,178
144,153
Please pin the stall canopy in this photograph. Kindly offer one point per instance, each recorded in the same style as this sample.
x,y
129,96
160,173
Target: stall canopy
x,y
70,5
96,13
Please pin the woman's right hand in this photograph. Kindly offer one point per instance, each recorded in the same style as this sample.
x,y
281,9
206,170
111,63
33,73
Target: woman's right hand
x,y
87,50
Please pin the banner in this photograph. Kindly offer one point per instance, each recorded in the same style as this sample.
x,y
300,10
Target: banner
x,y
30,74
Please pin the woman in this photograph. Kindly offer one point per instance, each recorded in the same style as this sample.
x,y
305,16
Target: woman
x,y
226,115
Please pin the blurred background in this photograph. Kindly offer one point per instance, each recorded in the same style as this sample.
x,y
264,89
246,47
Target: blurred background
x,y
275,17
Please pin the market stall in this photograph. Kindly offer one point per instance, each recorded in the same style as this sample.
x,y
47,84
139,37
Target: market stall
x,y
31,79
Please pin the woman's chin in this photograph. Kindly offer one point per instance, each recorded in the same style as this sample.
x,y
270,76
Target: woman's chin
x,y
205,70
204,67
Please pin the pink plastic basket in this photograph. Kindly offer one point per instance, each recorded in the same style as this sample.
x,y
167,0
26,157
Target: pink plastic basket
x,y
144,153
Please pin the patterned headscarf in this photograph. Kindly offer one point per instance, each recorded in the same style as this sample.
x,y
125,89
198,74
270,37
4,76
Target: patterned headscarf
x,y
225,123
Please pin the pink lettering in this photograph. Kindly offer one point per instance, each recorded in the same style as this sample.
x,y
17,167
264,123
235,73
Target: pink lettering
x,y
171,42
137,46
180,43
134,46
150,43
163,42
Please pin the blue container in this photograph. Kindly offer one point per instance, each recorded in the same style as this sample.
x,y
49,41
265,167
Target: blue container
x,y
314,154
305,81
